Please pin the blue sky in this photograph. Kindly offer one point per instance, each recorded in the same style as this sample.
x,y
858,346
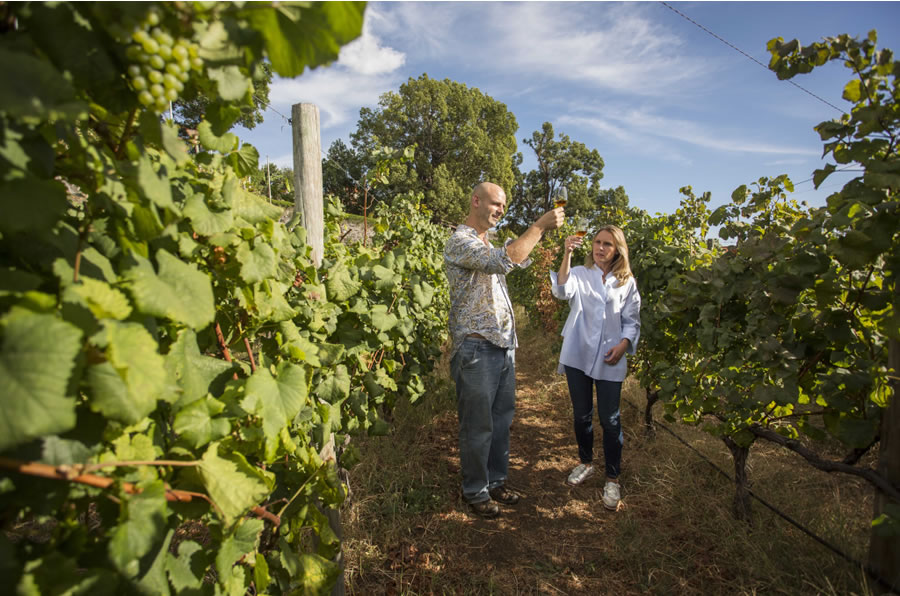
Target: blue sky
x,y
666,104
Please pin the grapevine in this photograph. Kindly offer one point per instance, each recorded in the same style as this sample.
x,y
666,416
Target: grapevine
x,y
160,64
179,372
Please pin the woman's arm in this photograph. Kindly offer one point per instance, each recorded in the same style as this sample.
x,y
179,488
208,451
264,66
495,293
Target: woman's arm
x,y
570,244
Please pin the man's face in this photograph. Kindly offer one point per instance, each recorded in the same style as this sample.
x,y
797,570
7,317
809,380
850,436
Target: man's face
x,y
492,206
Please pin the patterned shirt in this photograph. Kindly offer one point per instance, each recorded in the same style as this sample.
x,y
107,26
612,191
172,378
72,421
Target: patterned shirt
x,y
479,300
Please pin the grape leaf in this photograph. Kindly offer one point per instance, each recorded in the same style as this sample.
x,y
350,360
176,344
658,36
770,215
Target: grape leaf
x,y
257,263
195,422
244,540
275,399
34,402
179,291
195,373
41,93
225,143
234,485
206,220
142,523
340,284
232,84
29,204
127,385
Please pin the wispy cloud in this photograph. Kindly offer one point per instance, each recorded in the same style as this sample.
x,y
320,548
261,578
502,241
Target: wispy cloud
x,y
623,136
637,127
598,45
787,162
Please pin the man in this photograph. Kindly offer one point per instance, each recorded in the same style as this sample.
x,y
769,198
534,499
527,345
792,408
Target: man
x,y
483,332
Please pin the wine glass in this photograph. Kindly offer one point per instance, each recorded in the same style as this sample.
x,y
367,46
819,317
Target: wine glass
x,y
581,225
562,197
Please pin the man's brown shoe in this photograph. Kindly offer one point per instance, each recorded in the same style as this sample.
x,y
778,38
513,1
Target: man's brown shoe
x,y
503,495
486,509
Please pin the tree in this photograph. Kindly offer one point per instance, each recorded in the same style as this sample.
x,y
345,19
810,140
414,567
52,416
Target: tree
x,y
189,111
279,180
343,172
461,135
562,162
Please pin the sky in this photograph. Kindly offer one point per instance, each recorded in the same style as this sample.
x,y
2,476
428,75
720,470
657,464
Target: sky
x,y
664,102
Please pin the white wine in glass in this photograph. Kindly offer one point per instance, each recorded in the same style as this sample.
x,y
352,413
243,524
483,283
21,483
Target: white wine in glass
x,y
581,227
562,197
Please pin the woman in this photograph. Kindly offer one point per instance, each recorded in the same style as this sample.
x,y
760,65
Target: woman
x,y
603,325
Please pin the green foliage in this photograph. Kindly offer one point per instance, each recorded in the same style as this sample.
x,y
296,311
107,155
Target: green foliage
x,y
461,137
189,113
279,180
561,162
131,267
787,327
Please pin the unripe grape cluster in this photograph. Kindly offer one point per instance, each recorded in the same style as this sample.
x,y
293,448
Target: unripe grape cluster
x,y
160,64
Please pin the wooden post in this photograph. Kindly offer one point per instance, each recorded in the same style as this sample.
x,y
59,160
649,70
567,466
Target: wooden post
x,y
884,551
308,175
308,202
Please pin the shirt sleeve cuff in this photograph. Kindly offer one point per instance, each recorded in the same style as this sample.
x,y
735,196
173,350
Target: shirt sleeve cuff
x,y
509,262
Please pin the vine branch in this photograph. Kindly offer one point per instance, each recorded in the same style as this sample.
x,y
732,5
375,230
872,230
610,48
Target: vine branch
x,y
827,465
72,473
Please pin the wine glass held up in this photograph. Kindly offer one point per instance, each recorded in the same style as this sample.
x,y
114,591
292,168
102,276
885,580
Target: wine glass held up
x,y
562,197
581,225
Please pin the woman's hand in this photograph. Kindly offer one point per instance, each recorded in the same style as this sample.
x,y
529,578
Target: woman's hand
x,y
572,242
615,354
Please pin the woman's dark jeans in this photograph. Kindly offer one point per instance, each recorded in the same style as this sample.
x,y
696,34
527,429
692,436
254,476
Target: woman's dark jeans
x,y
608,396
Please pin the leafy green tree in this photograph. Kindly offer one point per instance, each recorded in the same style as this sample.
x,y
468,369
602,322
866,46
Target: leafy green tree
x,y
461,136
560,162
189,111
279,180
343,174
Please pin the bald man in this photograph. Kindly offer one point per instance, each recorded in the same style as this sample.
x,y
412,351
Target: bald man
x,y
483,335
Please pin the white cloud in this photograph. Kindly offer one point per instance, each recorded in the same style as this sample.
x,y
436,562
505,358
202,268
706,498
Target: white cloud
x,y
600,45
637,127
624,137
366,56
365,69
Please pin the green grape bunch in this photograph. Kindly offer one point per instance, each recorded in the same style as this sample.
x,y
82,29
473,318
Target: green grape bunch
x,y
161,64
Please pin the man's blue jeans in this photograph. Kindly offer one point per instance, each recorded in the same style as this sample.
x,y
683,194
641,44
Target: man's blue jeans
x,y
485,377
609,393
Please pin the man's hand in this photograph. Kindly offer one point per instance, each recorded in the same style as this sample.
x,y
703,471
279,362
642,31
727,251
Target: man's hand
x,y
551,220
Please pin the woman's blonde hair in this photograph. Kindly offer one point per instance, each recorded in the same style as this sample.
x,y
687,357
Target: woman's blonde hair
x,y
621,266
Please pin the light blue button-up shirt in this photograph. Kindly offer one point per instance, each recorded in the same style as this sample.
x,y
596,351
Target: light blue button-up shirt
x,y
602,313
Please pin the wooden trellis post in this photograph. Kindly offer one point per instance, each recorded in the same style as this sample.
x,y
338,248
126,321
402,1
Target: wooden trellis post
x,y
308,175
308,202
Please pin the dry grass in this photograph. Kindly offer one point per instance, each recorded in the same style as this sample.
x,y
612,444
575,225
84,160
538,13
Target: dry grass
x,y
407,530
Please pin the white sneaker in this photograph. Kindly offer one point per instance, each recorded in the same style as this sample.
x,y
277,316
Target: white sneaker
x,y
611,495
580,474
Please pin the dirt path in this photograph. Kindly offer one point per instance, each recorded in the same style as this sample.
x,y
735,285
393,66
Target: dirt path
x,y
556,540
410,532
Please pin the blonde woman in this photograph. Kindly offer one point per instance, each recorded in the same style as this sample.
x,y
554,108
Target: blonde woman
x,y
604,324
